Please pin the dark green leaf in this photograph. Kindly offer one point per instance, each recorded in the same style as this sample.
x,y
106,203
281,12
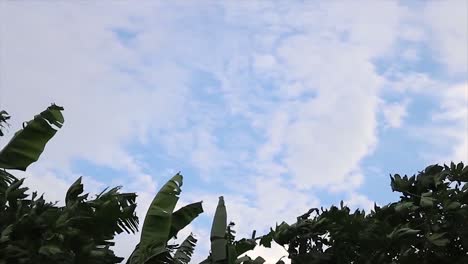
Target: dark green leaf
x,y
27,144
218,231
184,216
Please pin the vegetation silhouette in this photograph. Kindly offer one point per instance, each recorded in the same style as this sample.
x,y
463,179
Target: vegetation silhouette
x,y
427,225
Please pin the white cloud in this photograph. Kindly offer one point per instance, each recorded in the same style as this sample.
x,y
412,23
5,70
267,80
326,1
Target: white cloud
x,y
446,130
453,104
271,255
275,133
448,22
410,54
411,82
351,181
202,155
75,66
330,62
42,181
454,108
359,201
412,33
394,113
293,90
264,62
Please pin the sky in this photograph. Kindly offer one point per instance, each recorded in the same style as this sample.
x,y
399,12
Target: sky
x,y
279,106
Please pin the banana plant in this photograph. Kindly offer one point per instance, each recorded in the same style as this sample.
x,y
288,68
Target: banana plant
x,y
28,143
185,250
162,224
224,248
35,231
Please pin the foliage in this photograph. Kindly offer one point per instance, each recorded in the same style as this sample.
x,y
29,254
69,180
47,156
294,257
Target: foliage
x,y
34,231
185,250
28,143
224,248
427,225
162,224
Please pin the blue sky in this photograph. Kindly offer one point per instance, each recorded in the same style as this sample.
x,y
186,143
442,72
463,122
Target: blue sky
x,y
279,106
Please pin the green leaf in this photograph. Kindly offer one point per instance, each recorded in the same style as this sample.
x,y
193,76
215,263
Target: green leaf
x,y
49,250
453,206
397,233
282,234
184,253
405,206
149,255
5,234
218,232
438,240
14,192
244,245
426,202
157,224
266,239
184,216
5,180
74,191
28,143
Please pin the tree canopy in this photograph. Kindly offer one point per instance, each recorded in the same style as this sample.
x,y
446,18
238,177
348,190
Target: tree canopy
x,y
427,225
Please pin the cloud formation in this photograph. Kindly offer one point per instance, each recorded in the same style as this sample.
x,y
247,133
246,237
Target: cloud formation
x,y
269,103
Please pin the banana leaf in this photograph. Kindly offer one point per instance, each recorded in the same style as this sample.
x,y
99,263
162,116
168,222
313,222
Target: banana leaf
x,y
184,216
28,143
158,222
185,250
218,233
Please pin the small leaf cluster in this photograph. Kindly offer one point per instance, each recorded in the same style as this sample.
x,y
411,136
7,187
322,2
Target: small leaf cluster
x,y
427,225
35,231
